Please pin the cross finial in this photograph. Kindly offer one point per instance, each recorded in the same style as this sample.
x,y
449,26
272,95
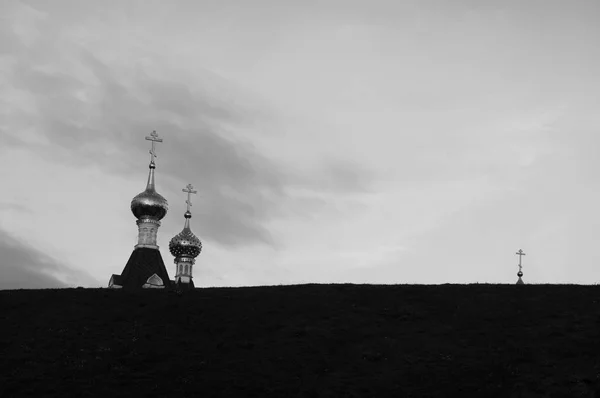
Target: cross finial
x,y
154,138
520,253
190,190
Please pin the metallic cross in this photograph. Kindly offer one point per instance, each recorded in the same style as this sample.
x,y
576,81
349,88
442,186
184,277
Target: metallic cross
x,y
190,190
154,138
520,253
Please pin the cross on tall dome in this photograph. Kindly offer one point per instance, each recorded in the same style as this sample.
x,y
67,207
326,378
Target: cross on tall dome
x,y
154,138
190,190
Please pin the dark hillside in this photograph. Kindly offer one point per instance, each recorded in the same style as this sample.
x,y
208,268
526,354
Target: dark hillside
x,y
303,341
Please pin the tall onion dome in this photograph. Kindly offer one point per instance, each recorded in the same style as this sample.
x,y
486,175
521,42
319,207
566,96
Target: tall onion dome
x,y
185,247
145,267
149,204
149,207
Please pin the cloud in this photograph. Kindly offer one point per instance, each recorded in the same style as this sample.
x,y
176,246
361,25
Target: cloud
x,y
24,267
336,176
80,109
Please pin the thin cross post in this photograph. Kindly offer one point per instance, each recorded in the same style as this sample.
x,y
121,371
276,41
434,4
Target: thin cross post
x,y
520,253
154,138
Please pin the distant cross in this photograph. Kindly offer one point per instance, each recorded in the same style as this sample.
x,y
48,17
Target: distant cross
x,y
154,138
520,253
190,190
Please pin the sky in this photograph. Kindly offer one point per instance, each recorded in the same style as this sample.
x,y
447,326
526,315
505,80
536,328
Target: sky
x,y
341,141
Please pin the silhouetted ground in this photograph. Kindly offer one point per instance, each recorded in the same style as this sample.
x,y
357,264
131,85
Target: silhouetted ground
x,y
303,341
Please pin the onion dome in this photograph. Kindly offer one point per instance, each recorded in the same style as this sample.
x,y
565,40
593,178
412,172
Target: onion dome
x,y
149,204
185,244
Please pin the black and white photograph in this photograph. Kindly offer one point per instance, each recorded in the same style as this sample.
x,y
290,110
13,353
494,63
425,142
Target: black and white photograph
x,y
300,198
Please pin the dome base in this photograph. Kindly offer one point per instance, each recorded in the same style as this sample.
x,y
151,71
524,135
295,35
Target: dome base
x,y
140,245
145,268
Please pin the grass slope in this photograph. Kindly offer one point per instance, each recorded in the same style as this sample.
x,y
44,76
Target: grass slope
x,y
303,341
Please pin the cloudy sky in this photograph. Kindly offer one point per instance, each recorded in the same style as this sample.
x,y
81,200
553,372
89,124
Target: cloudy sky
x,y
330,141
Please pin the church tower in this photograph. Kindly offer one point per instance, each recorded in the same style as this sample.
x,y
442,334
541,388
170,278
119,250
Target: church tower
x,y
520,253
185,246
145,268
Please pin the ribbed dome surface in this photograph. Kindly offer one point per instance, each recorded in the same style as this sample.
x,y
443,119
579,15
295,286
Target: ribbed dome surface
x,y
185,244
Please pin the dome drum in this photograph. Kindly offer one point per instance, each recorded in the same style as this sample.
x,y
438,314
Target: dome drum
x,y
148,220
183,260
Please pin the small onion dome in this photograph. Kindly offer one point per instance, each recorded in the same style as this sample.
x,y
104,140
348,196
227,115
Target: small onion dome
x,y
149,204
185,243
